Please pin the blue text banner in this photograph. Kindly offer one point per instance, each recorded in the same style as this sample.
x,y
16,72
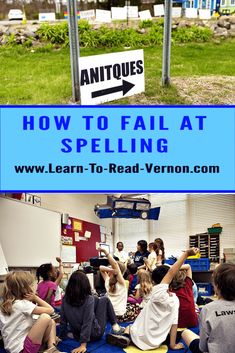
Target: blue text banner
x,y
117,148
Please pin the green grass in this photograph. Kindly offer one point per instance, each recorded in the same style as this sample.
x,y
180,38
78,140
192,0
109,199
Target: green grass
x,y
43,76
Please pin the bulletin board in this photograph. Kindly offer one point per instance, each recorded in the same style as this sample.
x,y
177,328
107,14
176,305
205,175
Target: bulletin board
x,y
76,229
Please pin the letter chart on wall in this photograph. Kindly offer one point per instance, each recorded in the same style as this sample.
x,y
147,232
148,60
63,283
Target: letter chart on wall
x,y
107,77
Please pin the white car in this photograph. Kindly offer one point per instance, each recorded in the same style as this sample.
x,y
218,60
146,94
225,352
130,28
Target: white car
x,y
15,14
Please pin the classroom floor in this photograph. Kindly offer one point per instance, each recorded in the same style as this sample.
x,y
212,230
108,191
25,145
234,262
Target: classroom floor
x,y
102,347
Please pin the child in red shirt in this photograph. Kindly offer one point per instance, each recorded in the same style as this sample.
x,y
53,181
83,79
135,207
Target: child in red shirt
x,y
182,286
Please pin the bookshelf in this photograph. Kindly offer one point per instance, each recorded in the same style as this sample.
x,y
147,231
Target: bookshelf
x,y
209,245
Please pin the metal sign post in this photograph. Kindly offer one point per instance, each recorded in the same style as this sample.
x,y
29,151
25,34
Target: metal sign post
x,y
74,48
127,4
167,44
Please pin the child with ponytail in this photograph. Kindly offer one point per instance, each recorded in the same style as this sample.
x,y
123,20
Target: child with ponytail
x,y
115,284
143,289
160,251
117,289
50,281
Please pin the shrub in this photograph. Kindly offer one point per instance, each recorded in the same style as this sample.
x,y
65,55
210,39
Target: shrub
x,y
191,34
28,43
119,37
56,34
146,24
11,40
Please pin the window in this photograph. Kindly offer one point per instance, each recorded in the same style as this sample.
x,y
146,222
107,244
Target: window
x,y
181,215
190,4
204,4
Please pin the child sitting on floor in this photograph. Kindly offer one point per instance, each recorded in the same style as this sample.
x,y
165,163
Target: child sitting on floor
x,y
20,332
217,319
132,277
160,251
86,314
182,286
143,289
151,261
116,289
47,287
115,284
159,317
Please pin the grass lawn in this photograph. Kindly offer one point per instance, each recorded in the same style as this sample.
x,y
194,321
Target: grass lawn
x,y
43,76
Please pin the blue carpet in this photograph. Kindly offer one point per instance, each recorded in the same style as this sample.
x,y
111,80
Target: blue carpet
x,y
100,346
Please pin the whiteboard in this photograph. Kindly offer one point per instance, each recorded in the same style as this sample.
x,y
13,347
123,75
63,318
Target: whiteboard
x,y
29,235
3,263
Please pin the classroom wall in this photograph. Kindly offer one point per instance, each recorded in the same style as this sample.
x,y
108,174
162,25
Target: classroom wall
x,y
79,206
181,215
76,205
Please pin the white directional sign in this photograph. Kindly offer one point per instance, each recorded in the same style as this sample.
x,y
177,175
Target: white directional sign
x,y
47,16
103,16
87,15
145,15
190,13
118,13
107,77
159,10
204,14
132,11
176,12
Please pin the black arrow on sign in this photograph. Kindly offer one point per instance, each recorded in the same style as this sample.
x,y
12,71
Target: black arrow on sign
x,y
125,87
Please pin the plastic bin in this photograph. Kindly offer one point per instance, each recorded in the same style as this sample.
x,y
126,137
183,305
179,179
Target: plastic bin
x,y
204,289
216,230
169,261
202,264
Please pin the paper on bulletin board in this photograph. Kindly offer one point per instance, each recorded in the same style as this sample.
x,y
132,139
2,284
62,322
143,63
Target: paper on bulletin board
x,y
77,225
102,229
66,240
76,234
87,234
68,253
103,237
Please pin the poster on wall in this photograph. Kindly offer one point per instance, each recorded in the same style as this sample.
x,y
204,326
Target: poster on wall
x,y
29,198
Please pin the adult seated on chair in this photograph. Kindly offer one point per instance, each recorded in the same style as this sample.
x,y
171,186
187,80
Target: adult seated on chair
x,y
120,254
